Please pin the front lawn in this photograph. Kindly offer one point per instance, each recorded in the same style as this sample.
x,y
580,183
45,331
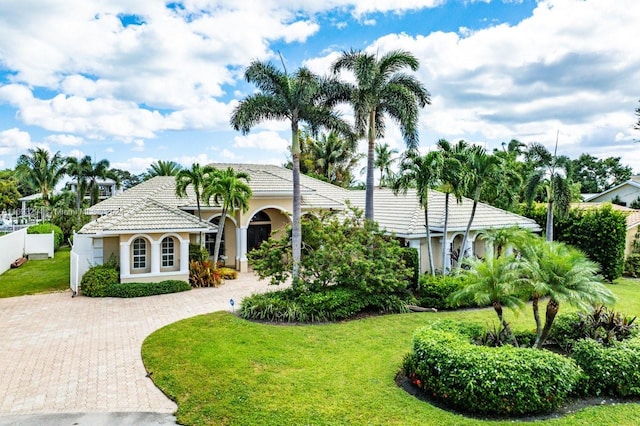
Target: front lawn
x,y
37,276
221,369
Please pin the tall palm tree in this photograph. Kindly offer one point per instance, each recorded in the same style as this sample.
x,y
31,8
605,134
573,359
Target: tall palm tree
x,y
493,281
545,176
332,157
563,274
383,161
453,180
229,189
382,90
98,170
422,173
78,169
196,176
163,168
298,97
482,168
41,170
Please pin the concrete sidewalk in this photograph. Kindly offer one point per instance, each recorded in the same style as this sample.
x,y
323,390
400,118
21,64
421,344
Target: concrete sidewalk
x,y
81,355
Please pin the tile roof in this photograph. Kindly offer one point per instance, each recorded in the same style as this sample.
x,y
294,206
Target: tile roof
x,y
403,215
146,215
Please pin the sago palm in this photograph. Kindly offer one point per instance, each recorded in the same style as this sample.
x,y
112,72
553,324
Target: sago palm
x,y
382,90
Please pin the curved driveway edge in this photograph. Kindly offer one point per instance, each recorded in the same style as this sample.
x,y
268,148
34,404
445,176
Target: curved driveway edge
x,y
80,355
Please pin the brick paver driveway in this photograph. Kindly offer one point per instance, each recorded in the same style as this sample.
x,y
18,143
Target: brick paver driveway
x,y
64,355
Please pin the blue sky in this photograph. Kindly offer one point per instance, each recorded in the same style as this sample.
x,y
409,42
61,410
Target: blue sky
x,y
135,81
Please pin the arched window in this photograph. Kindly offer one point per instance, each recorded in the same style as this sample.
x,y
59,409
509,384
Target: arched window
x,y
168,252
139,253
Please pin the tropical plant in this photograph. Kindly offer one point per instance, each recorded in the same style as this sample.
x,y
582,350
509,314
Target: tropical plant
x,y
163,168
545,176
229,190
298,97
41,170
492,281
78,169
196,176
9,193
382,90
422,173
98,170
383,161
563,274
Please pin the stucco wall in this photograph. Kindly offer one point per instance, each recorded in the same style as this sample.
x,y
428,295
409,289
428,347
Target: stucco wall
x,y
156,278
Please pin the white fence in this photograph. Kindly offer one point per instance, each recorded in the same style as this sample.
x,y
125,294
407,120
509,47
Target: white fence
x,y
19,243
81,258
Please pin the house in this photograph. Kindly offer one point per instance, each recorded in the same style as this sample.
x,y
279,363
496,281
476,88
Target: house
x,y
136,226
624,194
106,188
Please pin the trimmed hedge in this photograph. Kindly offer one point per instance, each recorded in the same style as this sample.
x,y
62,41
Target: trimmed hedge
x,y
479,379
46,228
98,279
127,290
434,291
330,304
613,371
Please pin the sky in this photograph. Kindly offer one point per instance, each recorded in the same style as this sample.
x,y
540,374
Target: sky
x,y
136,81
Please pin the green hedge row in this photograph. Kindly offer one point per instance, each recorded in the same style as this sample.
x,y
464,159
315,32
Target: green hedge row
x,y
479,379
613,371
103,281
331,304
46,228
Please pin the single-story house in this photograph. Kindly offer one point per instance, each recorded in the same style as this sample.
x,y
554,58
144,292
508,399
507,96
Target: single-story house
x,y
148,228
624,193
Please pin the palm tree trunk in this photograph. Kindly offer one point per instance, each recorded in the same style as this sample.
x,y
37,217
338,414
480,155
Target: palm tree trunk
x,y
549,227
552,310
216,247
368,207
198,204
463,251
444,235
536,315
429,247
505,325
296,231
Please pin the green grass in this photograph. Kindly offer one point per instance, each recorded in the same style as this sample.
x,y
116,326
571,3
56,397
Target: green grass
x,y
221,369
37,276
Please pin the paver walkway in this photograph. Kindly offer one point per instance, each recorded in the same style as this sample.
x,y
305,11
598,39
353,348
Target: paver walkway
x,y
76,355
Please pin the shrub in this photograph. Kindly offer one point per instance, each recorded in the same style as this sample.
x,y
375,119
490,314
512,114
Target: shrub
x,y
198,253
479,379
46,228
228,273
632,265
96,281
70,222
127,290
412,261
203,274
434,291
612,370
331,304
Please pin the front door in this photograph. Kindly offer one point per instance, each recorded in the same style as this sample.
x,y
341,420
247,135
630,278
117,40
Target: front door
x,y
256,234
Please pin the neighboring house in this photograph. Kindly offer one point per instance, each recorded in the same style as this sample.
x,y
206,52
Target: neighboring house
x,y
633,220
625,193
133,225
106,188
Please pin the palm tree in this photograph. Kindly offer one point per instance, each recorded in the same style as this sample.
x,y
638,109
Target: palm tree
x,y
196,176
78,169
331,157
453,180
546,177
382,90
163,168
563,274
383,161
298,97
482,168
41,171
421,172
98,170
492,281
228,189
504,190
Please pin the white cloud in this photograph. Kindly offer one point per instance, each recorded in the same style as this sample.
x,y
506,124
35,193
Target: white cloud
x,y
267,140
65,140
134,165
75,153
13,141
138,145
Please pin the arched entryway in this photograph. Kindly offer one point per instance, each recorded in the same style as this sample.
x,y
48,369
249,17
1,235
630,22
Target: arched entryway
x,y
259,229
